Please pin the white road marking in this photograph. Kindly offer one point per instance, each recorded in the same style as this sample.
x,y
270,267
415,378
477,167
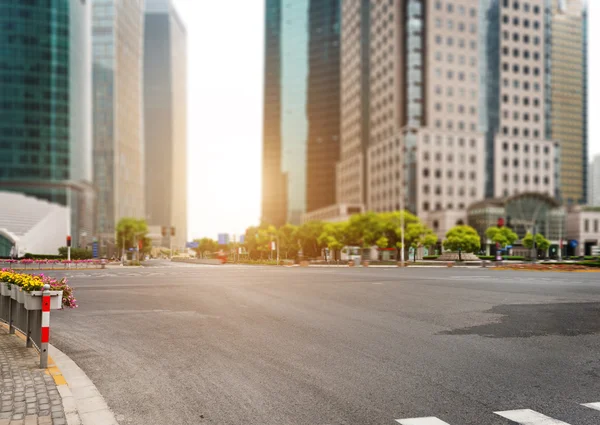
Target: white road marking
x,y
422,421
529,417
595,406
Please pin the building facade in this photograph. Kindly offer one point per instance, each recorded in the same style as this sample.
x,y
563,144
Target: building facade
x,y
593,186
118,120
45,113
165,114
426,149
301,107
568,91
466,100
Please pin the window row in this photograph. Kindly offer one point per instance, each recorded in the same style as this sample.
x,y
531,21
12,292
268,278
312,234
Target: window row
x,y
460,42
462,60
517,38
460,9
516,5
518,53
460,76
516,148
516,163
516,68
461,92
516,100
461,125
461,109
460,26
518,84
460,191
516,131
516,21
438,206
526,179
450,139
450,173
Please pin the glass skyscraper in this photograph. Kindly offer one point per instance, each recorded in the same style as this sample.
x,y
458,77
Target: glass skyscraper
x,y
301,110
45,106
118,113
165,116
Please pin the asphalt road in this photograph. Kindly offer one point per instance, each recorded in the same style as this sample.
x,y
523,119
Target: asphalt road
x,y
227,345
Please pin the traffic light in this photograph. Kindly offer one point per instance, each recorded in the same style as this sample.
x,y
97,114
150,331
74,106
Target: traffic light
x,y
68,241
500,222
173,231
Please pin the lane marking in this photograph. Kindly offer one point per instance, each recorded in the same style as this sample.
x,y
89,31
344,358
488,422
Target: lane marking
x,y
422,421
595,406
529,417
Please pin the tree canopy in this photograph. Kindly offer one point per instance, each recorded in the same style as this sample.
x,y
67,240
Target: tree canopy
x,y
131,232
501,235
540,241
462,239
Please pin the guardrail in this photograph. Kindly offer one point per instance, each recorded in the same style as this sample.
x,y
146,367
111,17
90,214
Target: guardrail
x,y
33,323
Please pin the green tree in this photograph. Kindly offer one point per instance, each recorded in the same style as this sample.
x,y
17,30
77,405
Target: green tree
x,y
130,232
419,235
416,234
462,239
251,241
333,237
288,240
308,238
206,247
541,242
76,253
501,235
265,235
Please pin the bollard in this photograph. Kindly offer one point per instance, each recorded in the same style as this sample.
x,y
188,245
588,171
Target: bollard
x,y
45,338
11,327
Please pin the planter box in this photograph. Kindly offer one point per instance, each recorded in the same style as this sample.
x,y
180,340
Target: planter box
x,y
5,289
20,296
14,289
33,300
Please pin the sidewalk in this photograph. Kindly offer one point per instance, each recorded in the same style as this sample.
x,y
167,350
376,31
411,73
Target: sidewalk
x,y
29,395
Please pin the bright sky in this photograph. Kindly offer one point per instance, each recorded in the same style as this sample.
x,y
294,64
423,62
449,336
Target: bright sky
x,y
225,83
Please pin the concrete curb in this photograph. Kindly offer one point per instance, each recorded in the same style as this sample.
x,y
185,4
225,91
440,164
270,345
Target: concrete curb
x,y
83,403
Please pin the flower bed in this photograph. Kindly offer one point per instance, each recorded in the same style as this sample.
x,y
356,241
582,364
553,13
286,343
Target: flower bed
x,y
32,283
30,264
560,267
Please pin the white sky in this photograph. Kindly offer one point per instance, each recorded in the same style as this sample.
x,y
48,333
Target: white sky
x,y
225,83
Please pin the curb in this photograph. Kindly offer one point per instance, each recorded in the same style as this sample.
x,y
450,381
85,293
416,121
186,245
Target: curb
x,y
83,403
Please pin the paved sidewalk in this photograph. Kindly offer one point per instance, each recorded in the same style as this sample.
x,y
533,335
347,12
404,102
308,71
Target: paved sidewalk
x,y
29,395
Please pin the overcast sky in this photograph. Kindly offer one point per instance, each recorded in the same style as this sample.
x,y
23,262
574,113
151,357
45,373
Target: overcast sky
x,y
225,81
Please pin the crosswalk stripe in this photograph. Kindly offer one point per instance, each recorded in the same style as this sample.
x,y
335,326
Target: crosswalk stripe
x,y
529,417
422,421
595,406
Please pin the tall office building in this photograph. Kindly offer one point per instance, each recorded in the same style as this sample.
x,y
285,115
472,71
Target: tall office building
x,y
301,107
165,112
118,120
426,149
568,85
354,102
45,113
593,195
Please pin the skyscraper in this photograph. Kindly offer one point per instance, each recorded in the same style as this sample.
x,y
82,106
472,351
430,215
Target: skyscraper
x,y
568,85
301,109
593,195
460,105
45,113
165,76
118,112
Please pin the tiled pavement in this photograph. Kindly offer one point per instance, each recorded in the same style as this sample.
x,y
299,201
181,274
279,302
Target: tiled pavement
x,y
28,395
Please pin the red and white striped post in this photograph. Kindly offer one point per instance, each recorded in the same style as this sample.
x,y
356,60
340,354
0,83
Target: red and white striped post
x,y
45,338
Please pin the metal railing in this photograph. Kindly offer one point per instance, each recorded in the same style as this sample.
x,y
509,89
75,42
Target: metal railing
x,y
28,322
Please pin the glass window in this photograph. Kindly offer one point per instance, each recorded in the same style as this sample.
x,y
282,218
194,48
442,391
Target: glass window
x,y
586,225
